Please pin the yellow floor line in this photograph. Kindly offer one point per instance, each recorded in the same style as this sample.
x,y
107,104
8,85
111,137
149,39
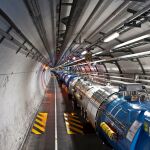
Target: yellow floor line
x,y
74,114
35,131
42,114
43,118
75,124
40,122
68,130
70,115
39,127
38,116
75,129
75,120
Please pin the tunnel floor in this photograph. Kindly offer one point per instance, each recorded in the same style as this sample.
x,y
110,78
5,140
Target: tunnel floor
x,y
52,133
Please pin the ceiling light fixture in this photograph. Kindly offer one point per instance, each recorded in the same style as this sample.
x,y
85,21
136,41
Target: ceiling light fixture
x,y
136,55
132,41
84,52
97,53
74,58
111,37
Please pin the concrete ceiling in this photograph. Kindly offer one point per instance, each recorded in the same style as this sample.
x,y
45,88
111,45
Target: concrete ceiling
x,y
61,29
102,18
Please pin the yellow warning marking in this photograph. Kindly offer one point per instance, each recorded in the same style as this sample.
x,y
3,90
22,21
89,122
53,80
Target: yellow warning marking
x,y
73,114
75,129
39,127
70,114
68,130
38,116
40,122
75,124
75,120
67,115
41,119
35,131
43,114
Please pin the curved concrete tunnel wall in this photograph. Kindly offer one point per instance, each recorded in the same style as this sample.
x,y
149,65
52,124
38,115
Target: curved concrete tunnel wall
x,y
22,87
22,80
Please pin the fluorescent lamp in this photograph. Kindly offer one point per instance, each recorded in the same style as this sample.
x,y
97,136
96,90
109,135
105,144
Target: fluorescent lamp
x,y
111,37
94,64
84,52
97,53
132,41
140,54
136,55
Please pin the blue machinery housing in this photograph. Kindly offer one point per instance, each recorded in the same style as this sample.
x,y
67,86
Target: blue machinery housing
x,y
120,114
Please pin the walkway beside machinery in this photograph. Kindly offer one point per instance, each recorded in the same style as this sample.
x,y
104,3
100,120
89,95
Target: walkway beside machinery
x,y
50,132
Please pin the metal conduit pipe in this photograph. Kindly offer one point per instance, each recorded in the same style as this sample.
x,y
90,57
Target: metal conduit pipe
x,y
124,57
52,5
139,13
138,60
105,68
92,15
35,13
104,52
87,21
116,63
59,19
123,6
13,26
110,18
129,19
147,8
121,25
16,42
135,15
78,7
